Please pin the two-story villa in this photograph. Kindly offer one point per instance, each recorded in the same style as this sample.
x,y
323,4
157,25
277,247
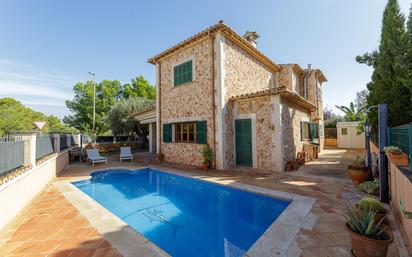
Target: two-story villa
x,y
217,88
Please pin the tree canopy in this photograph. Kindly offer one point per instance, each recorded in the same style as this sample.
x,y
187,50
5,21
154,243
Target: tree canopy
x,y
391,77
108,94
15,117
120,117
139,87
81,106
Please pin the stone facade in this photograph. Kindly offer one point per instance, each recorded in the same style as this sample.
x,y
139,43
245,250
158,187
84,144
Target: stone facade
x,y
188,102
261,109
233,70
292,115
244,73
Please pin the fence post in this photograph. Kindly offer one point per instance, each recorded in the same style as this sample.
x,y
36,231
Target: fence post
x,y
76,139
29,148
56,142
410,146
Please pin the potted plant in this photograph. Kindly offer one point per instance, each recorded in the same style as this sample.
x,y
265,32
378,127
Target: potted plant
x,y
368,238
358,172
396,156
159,157
207,154
370,187
371,204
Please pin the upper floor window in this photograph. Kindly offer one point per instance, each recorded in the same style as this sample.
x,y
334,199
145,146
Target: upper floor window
x,y
183,73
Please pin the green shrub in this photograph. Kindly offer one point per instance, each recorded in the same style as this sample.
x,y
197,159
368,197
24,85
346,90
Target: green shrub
x,y
363,223
370,187
207,154
359,160
371,204
392,149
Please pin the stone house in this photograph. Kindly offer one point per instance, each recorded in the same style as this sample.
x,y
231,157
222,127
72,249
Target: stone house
x,y
217,88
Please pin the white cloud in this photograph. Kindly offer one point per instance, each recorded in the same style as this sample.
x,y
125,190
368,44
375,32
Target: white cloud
x,y
11,89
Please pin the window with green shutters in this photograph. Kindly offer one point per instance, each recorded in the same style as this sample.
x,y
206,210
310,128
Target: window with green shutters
x,y
167,133
308,130
183,73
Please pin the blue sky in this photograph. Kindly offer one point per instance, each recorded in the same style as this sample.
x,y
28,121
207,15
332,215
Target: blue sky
x,y
47,46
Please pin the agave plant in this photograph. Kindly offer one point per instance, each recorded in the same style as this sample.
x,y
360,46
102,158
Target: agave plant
x,y
363,223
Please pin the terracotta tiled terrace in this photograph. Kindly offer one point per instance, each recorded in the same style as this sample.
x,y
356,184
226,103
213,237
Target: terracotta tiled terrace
x,y
52,226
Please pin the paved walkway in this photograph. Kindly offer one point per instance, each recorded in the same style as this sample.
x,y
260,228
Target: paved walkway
x,y
69,234
332,163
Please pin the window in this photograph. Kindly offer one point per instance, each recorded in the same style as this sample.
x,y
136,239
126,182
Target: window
x,y
344,131
185,132
309,130
183,73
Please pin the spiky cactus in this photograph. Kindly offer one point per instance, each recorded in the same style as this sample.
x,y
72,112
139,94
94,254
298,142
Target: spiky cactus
x,y
371,204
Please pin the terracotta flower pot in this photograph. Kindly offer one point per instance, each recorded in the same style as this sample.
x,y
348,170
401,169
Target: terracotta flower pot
x,y
205,165
159,157
358,173
398,158
367,247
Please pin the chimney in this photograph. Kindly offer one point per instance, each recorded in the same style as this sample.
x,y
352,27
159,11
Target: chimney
x,y
251,37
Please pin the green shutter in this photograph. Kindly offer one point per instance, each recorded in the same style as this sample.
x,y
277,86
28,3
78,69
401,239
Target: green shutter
x,y
313,132
201,133
302,130
183,73
167,133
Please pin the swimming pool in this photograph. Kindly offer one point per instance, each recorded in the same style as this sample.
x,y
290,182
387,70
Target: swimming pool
x,y
185,217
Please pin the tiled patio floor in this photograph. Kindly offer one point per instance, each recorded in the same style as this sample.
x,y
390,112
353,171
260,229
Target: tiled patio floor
x,y
53,227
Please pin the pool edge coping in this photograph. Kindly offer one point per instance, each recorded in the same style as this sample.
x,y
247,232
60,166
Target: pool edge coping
x,y
277,240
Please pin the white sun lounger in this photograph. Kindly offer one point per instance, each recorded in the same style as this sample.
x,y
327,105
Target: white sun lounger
x,y
94,156
125,154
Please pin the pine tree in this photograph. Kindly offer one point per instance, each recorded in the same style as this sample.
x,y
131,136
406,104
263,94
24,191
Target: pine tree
x,y
390,76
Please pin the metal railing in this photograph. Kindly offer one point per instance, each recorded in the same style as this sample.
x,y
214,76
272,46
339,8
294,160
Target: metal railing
x,y
63,142
401,136
44,146
11,153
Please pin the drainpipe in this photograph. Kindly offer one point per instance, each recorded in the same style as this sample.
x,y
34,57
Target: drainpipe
x,y
159,84
305,82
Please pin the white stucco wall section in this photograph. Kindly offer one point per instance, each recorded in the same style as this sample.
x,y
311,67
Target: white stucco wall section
x,y
277,139
252,117
220,102
158,123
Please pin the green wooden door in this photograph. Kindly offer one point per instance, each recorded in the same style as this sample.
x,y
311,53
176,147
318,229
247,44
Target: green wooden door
x,y
243,131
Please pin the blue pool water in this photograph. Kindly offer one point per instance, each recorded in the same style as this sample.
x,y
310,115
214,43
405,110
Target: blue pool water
x,y
183,216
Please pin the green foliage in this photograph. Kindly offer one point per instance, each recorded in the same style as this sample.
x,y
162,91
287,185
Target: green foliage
x,y
107,93
363,223
359,160
392,63
139,87
371,204
55,125
351,113
370,187
120,116
207,153
15,117
392,149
